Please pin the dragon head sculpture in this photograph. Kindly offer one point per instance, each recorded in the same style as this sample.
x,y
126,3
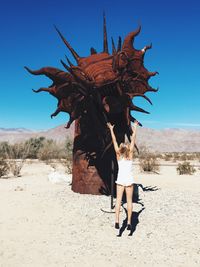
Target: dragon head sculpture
x,y
101,86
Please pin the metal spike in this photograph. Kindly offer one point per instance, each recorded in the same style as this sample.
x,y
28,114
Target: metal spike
x,y
134,119
105,41
69,62
133,107
144,96
119,46
65,66
113,47
76,56
93,51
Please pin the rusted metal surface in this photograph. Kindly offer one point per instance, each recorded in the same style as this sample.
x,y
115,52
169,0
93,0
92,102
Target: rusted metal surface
x,y
100,88
91,170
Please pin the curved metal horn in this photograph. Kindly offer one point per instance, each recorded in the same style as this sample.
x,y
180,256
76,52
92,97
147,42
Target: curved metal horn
x,y
144,96
52,73
128,41
150,89
151,74
146,48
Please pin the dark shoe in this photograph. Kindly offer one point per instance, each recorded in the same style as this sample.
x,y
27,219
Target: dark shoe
x,y
129,227
116,225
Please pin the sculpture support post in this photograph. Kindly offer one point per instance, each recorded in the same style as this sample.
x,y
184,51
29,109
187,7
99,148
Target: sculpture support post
x,y
90,174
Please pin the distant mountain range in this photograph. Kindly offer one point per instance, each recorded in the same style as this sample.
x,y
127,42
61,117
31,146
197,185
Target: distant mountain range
x,y
10,130
163,140
14,135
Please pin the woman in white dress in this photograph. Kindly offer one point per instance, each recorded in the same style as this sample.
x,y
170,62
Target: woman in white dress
x,y
125,180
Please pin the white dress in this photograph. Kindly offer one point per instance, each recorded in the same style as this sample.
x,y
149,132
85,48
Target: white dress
x,y
125,172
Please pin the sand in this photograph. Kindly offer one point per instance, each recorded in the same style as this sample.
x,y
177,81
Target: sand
x,y
46,224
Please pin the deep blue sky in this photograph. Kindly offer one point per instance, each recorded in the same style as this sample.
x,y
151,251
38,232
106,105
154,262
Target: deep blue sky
x,y
29,38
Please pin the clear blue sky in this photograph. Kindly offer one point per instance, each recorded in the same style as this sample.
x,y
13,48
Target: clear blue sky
x,y
29,38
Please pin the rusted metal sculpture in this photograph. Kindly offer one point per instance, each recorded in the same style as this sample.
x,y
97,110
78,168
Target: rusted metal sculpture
x,y
99,89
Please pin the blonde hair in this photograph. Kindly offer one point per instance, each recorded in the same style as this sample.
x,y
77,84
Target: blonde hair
x,y
124,150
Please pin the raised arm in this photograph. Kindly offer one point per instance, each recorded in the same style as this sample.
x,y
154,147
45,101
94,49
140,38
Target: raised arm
x,y
116,147
133,136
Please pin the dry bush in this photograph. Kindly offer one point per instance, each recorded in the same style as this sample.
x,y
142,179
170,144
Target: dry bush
x,y
191,156
66,161
15,166
16,155
67,165
50,150
183,157
185,168
168,156
4,168
197,156
159,156
35,145
3,148
68,149
149,164
148,161
175,156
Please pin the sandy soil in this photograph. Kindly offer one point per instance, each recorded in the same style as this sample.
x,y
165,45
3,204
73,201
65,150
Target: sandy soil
x,y
46,224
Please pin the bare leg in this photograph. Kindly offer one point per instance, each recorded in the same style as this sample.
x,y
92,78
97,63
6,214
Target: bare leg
x,y
129,194
120,190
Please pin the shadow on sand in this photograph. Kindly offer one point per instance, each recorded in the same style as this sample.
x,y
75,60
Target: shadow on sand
x,y
135,214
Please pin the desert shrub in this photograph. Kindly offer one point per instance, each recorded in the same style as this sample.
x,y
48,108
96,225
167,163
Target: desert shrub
x,y
68,149
149,164
16,155
198,156
4,168
50,150
168,156
67,164
175,156
35,144
185,168
143,152
15,166
191,156
159,156
3,148
148,161
18,151
66,161
183,157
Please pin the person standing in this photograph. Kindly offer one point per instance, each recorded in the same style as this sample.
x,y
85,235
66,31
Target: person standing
x,y
125,179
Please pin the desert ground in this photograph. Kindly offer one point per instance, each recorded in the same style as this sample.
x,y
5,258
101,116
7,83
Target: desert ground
x,y
43,223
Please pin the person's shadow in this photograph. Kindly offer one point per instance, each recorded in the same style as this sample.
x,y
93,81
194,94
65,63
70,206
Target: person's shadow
x,y
135,214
